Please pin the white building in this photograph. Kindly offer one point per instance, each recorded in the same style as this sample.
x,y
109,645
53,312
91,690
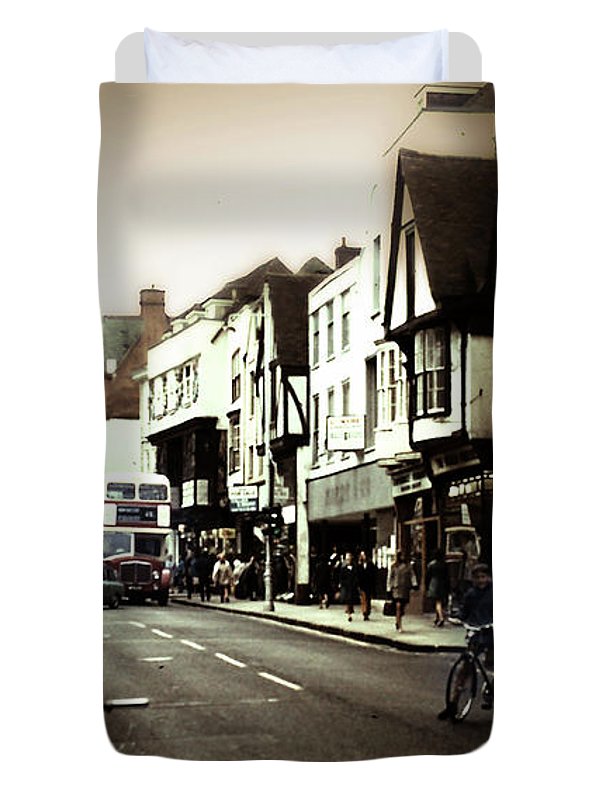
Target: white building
x,y
358,411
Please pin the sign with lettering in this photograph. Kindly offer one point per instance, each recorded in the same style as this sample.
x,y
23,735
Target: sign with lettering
x,y
188,494
243,498
345,433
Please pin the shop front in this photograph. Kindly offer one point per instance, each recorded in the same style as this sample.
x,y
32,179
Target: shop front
x,y
349,511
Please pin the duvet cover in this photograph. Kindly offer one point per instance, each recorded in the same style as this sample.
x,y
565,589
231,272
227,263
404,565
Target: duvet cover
x,y
297,292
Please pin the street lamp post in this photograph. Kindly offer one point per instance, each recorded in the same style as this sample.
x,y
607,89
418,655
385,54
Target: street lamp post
x,y
271,525
267,575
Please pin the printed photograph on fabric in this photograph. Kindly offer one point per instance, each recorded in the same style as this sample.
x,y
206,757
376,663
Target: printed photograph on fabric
x,y
297,290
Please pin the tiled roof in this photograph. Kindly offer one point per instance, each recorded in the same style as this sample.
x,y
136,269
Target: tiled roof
x,y
119,333
314,266
454,203
288,295
250,286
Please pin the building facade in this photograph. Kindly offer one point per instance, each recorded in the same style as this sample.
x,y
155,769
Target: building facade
x,y
439,310
127,340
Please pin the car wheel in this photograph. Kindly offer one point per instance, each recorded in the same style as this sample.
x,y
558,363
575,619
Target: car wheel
x,y
115,601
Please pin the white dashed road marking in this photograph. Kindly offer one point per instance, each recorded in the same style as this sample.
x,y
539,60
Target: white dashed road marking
x,y
162,633
281,681
158,658
137,624
194,645
126,701
235,663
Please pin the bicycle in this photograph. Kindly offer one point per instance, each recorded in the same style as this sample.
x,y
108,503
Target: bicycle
x,y
461,689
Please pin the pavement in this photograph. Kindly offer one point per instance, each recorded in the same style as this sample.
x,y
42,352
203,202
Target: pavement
x,y
418,631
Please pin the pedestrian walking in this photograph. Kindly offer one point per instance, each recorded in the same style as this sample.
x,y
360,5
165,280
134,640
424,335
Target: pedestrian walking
x,y
400,586
179,576
204,574
348,585
189,570
335,565
223,577
251,578
366,572
437,586
323,581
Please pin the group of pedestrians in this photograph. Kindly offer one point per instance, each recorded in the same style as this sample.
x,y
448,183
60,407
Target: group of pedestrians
x,y
210,573
350,583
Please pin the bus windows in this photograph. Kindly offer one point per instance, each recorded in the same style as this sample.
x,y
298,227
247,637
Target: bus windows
x,y
120,491
116,543
152,491
148,545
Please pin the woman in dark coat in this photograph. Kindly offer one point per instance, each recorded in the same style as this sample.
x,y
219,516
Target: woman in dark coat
x,y
366,572
323,581
437,586
348,585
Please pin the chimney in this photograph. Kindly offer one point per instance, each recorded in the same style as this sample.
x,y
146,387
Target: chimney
x,y
152,313
344,254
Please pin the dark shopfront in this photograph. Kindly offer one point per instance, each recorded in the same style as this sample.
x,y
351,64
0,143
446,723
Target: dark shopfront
x,y
453,503
351,510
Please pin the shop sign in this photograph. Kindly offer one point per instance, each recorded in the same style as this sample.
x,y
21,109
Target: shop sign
x,y
345,433
188,494
243,498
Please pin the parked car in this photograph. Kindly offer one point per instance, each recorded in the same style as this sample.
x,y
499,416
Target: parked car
x,y
113,588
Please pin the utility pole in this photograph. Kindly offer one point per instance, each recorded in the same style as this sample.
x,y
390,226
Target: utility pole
x,y
271,524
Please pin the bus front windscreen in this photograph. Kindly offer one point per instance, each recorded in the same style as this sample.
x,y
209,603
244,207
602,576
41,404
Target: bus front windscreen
x,y
148,545
116,544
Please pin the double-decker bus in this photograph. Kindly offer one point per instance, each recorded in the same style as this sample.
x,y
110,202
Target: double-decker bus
x,y
137,533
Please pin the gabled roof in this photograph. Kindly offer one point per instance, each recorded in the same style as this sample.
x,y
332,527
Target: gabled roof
x,y
288,294
315,266
454,203
249,287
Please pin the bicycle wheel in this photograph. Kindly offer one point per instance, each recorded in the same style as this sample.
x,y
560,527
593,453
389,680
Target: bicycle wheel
x,y
461,687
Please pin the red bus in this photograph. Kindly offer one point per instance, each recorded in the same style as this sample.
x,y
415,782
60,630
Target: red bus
x,y
137,533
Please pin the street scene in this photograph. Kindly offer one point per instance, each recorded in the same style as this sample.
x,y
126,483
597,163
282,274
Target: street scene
x,y
298,487
197,683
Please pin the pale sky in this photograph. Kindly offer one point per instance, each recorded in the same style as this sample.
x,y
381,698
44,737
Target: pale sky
x,y
200,184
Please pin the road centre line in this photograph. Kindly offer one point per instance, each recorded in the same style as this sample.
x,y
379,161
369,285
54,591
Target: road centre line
x,y
194,645
158,658
162,633
137,624
232,661
281,681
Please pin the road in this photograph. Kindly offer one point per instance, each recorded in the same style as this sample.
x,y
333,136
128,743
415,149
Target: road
x,y
199,684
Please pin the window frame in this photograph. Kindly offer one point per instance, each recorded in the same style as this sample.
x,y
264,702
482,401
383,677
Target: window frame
x,y
330,329
315,338
315,428
235,377
431,372
345,320
234,443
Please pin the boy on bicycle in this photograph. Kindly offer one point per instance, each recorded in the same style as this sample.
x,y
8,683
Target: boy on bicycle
x,y
477,610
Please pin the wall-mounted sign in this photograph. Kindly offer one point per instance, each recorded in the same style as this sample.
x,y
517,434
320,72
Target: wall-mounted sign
x,y
243,498
188,494
203,492
281,494
345,433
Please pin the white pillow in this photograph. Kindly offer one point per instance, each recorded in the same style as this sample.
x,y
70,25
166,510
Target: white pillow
x,y
419,58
